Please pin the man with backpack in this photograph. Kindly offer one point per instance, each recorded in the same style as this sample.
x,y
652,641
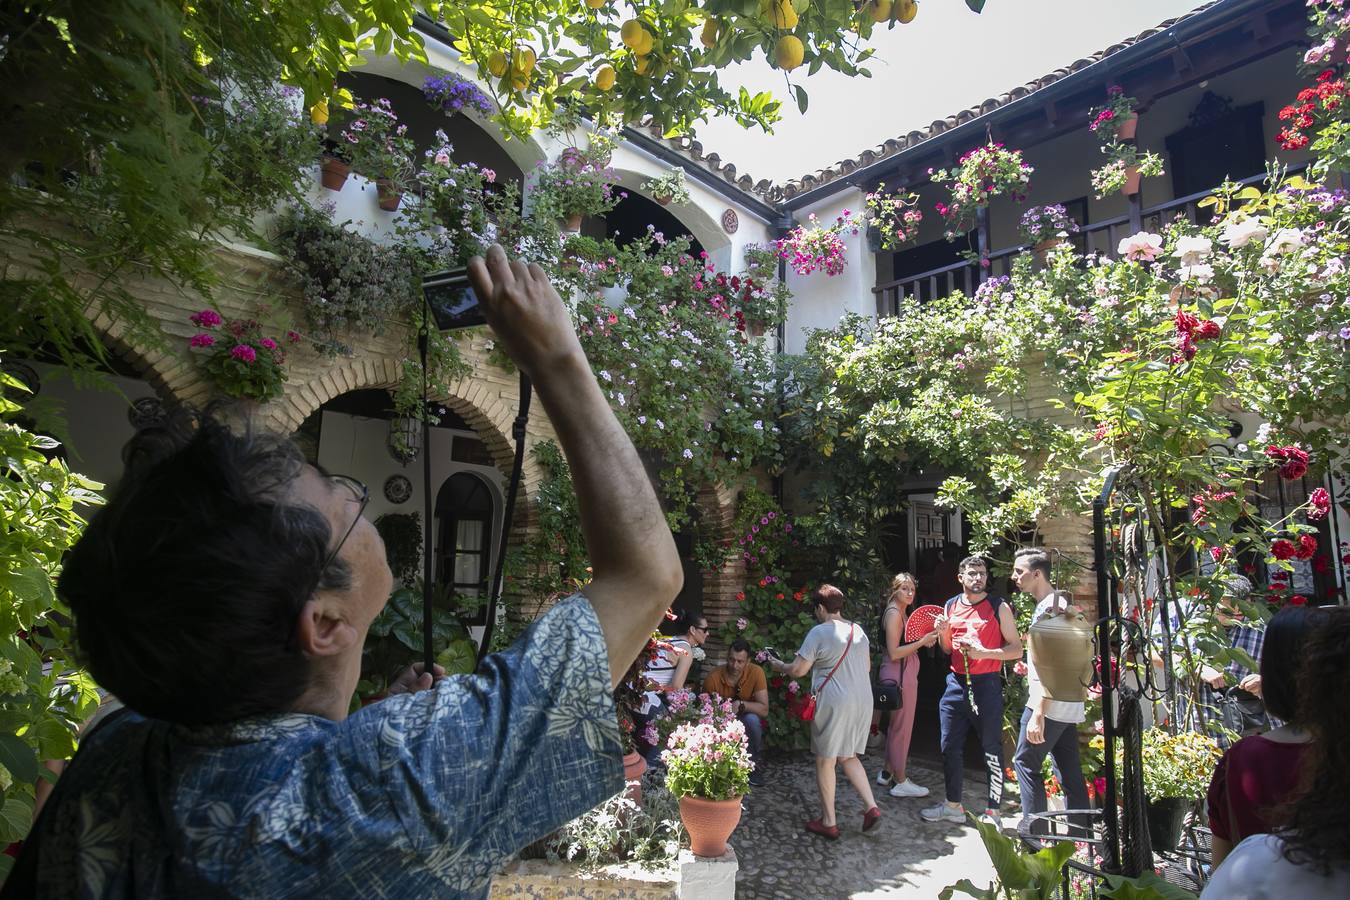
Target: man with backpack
x,y
980,632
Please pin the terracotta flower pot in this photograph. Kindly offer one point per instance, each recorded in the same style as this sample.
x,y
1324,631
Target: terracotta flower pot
x,y
1132,178
709,823
1125,128
572,222
633,767
390,196
1042,248
333,172
663,199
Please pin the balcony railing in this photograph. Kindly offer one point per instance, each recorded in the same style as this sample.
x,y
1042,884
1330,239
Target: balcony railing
x,y
1101,238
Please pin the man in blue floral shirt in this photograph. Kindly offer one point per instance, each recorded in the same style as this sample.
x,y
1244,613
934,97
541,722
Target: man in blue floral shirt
x,y
224,595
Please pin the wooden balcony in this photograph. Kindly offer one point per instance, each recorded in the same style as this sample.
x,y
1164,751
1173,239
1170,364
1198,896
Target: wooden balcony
x,y
1100,238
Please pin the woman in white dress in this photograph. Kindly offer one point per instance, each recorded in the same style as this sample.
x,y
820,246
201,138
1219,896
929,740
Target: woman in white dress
x,y
837,655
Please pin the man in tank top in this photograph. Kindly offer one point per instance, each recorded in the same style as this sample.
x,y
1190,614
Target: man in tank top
x,y
980,632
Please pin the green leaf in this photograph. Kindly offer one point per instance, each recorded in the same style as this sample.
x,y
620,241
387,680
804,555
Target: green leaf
x,y
975,5
1011,866
965,887
1146,887
16,817
801,97
17,756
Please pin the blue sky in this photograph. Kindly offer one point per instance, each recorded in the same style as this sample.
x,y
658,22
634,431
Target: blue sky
x,y
947,59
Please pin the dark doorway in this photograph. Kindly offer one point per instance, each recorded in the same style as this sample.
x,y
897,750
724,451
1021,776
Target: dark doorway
x,y
464,512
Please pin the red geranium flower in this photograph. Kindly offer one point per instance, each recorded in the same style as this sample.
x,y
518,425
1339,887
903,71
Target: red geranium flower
x,y
1297,600
1282,549
1319,502
1307,546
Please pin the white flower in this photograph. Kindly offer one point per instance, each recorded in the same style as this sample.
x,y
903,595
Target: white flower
x,y
677,364
1241,233
660,424
687,454
605,375
759,424
1285,239
1140,245
1199,272
1192,250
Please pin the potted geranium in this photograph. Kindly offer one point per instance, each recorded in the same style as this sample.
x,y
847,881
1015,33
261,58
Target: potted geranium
x,y
452,210
668,188
892,218
240,360
379,148
1177,771
1046,227
1124,169
708,768
981,174
450,93
629,698
572,188
1117,119
814,246
762,298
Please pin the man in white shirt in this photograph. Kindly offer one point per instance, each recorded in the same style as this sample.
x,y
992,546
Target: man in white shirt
x,y
1048,726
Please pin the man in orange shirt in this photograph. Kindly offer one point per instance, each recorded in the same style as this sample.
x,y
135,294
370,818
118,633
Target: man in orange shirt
x,y
742,681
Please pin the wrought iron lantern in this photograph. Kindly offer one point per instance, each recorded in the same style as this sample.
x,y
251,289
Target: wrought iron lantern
x,y
405,438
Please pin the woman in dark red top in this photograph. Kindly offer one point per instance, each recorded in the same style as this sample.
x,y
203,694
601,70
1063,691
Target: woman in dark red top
x,y
1261,773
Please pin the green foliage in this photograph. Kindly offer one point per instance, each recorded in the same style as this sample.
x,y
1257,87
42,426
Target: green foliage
x,y
403,537
1146,887
573,186
240,359
395,638
377,144
44,694
1021,874
620,831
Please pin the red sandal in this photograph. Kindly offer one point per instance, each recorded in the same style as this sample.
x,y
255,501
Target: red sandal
x,y
871,818
826,831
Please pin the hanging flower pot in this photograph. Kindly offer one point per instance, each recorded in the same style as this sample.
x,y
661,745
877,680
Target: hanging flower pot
x,y
390,195
1126,126
874,238
709,823
572,222
333,172
633,767
1132,178
664,199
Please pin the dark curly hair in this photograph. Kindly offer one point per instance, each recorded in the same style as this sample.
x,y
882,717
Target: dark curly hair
x,y
1319,829
186,587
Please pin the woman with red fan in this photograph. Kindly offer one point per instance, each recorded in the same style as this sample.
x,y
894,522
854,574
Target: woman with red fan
x,y
898,665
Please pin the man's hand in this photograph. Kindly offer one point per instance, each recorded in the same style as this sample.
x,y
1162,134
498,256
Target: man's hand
x,y
1036,729
1213,677
942,625
929,639
525,312
1251,684
414,679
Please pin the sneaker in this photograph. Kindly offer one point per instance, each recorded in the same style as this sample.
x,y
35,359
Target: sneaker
x,y
908,788
992,817
756,779
943,813
885,779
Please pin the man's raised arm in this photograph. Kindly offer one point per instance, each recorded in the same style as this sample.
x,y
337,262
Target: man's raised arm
x,y
636,569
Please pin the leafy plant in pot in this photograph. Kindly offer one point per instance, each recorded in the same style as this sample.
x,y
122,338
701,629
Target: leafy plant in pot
x,y
1177,770
379,148
708,767
629,698
1046,227
572,188
241,360
892,218
668,188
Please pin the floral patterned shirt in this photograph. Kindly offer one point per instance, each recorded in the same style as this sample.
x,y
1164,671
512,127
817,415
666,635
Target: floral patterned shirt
x,y
419,795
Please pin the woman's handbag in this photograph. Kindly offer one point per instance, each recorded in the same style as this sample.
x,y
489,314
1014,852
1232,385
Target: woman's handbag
x,y
808,710
886,694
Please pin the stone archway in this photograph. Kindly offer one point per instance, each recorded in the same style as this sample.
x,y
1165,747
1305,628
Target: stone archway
x,y
701,224
480,401
173,376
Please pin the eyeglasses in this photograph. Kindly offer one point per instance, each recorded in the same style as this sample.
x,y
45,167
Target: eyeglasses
x,y
360,496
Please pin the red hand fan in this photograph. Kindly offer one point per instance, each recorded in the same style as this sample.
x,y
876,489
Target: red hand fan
x,y
920,622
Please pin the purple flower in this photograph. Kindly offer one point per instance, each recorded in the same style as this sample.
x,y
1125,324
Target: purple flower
x,y
244,353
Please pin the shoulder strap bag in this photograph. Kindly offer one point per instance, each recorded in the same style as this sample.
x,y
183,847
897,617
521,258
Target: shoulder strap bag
x,y
808,710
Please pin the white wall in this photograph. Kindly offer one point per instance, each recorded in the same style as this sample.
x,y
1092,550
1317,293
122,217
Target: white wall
x,y
819,300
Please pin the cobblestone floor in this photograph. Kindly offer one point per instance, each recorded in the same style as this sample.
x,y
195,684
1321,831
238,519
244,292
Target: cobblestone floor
x,y
903,856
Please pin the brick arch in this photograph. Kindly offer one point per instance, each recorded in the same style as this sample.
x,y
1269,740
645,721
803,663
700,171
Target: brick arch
x,y
487,411
173,376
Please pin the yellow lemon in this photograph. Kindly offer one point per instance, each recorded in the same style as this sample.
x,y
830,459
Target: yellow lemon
x,y
645,43
523,60
318,113
641,63
519,81
595,4
497,64
631,33
784,16
908,9
880,10
788,52
709,36
604,79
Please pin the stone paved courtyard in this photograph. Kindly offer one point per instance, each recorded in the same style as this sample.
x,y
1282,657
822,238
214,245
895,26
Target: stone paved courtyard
x,y
903,856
